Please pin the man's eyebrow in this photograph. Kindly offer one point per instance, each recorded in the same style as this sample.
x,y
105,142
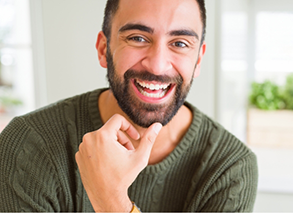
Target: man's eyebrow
x,y
184,32
139,27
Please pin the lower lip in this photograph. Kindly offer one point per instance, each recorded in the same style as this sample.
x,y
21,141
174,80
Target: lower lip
x,y
152,100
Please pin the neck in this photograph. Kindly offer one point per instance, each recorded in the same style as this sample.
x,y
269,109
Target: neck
x,y
168,138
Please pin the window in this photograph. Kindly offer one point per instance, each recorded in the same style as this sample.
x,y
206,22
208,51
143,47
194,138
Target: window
x,y
257,45
274,46
234,72
16,73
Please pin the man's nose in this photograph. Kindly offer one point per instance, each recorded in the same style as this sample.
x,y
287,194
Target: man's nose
x,y
157,60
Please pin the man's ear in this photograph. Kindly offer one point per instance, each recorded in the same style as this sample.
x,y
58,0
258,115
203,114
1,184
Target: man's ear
x,y
101,47
199,60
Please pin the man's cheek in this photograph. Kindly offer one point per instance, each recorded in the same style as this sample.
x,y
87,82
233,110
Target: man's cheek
x,y
128,59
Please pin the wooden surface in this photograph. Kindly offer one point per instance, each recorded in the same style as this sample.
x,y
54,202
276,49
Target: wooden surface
x,y
272,129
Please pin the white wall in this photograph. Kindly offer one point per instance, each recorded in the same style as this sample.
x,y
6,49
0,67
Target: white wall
x,y
70,28
273,202
203,91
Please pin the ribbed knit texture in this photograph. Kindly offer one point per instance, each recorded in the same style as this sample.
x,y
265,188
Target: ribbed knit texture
x,y
210,170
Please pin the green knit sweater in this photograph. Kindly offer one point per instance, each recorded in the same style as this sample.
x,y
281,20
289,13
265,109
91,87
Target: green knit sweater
x,y
210,170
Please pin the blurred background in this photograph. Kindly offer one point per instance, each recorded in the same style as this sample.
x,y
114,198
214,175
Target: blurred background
x,y
47,53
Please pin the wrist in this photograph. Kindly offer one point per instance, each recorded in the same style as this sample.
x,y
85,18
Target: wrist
x,y
134,208
112,204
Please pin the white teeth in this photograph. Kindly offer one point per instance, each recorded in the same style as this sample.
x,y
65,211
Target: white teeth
x,y
150,95
153,86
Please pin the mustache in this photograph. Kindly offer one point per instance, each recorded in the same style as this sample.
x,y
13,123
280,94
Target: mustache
x,y
147,76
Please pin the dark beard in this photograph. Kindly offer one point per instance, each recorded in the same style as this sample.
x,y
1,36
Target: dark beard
x,y
144,114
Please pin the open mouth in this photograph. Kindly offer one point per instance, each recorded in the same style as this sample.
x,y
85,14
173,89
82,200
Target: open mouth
x,y
153,89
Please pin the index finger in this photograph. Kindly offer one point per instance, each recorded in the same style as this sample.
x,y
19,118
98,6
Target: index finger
x,y
118,122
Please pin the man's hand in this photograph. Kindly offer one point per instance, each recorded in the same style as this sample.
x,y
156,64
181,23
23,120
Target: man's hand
x,y
109,164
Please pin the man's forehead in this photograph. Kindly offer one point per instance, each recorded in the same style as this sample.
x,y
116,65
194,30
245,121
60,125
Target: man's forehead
x,y
158,5
159,14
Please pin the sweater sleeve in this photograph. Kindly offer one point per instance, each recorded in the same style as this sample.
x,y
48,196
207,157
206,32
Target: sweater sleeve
x,y
233,191
28,180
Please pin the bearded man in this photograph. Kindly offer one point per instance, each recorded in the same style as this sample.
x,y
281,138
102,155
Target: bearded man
x,y
136,144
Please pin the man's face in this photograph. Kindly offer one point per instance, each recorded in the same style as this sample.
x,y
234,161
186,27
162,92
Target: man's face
x,y
153,55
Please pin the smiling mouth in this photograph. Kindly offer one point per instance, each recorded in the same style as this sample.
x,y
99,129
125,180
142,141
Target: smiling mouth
x,y
152,89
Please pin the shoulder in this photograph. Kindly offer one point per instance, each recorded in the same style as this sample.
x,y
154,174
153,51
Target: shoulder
x,y
55,118
226,169
41,131
37,150
214,139
217,150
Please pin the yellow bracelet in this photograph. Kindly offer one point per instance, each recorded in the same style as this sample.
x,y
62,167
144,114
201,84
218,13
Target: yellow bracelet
x,y
134,208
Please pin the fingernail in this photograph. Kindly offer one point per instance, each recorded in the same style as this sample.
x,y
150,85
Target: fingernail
x,y
157,127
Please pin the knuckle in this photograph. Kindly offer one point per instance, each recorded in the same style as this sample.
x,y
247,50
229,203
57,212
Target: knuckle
x,y
88,142
102,135
116,116
77,156
86,137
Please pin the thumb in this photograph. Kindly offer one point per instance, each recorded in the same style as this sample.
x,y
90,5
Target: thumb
x,y
148,139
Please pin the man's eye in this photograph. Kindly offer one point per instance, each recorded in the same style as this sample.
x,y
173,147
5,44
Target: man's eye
x,y
137,39
179,44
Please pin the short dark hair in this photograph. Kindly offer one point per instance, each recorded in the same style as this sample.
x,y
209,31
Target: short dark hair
x,y
113,5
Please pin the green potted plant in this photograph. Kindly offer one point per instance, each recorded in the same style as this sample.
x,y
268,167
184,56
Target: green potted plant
x,y
266,96
270,114
287,93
